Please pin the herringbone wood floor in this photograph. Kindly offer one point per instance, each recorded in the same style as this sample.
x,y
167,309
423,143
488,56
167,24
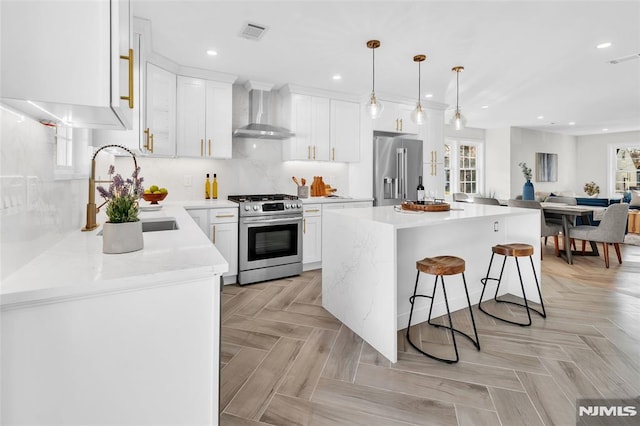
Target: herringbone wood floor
x,y
286,361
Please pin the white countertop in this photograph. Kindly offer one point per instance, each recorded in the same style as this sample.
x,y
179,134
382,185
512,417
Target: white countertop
x,y
203,204
411,219
326,200
77,267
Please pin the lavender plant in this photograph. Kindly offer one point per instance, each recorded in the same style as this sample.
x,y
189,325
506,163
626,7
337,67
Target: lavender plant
x,y
122,196
526,171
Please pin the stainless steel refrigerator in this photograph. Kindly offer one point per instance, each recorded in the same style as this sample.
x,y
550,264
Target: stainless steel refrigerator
x,y
397,163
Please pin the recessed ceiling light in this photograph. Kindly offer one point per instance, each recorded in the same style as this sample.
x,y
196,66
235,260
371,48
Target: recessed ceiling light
x,y
484,106
211,52
428,95
605,130
603,45
540,117
572,123
337,77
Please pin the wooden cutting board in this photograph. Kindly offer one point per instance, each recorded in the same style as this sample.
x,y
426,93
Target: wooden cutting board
x,y
439,207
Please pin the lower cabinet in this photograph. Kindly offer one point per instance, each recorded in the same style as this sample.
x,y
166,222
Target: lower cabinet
x,y
312,236
312,230
224,235
220,225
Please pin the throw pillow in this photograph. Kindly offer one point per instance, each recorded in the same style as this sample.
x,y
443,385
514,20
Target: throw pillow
x,y
635,198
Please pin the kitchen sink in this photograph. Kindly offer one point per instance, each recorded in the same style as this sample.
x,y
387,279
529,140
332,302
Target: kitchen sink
x,y
159,224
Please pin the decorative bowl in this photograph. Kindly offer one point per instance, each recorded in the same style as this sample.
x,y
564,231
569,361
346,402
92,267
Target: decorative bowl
x,y
154,198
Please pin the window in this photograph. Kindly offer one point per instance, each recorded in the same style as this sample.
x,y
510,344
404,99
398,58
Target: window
x,y
462,165
625,167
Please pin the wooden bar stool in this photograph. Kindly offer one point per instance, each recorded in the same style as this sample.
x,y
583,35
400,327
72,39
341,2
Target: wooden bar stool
x,y
440,266
514,250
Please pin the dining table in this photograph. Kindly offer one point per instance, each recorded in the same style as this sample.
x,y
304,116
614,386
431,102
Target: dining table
x,y
568,213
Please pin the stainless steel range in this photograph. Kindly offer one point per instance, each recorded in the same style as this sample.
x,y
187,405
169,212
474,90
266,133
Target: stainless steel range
x,y
270,237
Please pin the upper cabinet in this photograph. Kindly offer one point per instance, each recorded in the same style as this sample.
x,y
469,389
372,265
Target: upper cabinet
x,y
325,129
69,62
159,134
395,118
345,131
204,118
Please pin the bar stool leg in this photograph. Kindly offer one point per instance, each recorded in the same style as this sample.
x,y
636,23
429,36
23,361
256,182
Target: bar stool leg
x,y
543,314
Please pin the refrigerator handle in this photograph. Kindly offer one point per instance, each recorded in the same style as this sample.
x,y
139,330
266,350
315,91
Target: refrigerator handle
x,y
401,159
405,176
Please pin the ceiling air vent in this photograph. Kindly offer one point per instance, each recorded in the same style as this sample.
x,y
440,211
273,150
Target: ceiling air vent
x,y
253,31
624,58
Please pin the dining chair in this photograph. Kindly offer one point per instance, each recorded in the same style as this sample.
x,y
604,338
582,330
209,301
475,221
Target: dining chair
x,y
557,218
460,196
547,229
485,200
610,230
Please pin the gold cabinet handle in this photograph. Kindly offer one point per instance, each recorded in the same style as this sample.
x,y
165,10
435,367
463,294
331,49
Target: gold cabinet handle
x,y
151,137
146,140
312,211
308,152
314,152
130,97
397,127
401,124
201,147
225,215
209,147
213,234
304,225
333,154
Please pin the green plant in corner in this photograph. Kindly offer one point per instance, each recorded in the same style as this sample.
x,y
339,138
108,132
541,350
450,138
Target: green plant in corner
x,y
122,196
526,171
591,188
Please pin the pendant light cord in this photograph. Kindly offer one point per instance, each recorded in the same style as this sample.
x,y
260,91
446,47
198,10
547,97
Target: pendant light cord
x,y
419,89
457,90
373,67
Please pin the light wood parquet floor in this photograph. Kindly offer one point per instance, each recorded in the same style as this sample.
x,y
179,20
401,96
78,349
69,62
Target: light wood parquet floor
x,y
287,361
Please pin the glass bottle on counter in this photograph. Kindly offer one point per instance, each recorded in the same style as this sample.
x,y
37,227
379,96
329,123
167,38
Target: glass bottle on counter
x,y
420,189
207,188
214,188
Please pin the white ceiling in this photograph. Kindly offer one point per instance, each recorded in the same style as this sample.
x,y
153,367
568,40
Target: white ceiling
x,y
523,59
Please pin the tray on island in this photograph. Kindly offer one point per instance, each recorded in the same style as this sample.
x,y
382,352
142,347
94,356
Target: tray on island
x,y
427,207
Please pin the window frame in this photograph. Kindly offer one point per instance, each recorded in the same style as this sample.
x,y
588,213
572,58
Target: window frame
x,y
613,165
454,172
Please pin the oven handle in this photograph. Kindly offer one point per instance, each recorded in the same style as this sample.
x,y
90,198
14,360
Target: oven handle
x,y
278,220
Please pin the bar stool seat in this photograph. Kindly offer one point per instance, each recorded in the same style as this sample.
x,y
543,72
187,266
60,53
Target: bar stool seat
x,y
441,266
514,250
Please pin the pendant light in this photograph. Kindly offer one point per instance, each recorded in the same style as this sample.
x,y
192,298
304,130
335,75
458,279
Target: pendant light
x,y
417,115
458,120
374,107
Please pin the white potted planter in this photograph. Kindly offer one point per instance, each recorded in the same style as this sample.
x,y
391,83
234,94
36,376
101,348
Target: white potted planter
x,y
122,237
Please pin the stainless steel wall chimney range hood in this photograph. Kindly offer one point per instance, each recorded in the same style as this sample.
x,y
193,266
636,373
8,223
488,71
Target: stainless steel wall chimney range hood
x,y
259,127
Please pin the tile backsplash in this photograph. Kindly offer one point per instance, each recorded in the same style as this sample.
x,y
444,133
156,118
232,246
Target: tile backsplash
x,y
37,206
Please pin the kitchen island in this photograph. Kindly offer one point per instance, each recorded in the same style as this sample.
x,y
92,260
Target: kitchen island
x,y
93,338
369,262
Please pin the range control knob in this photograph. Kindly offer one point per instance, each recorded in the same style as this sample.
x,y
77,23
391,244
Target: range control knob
x,y
299,205
255,207
247,207
287,205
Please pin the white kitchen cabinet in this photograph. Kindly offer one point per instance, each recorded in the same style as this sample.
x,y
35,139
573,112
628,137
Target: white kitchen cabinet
x,y
345,131
133,138
396,118
224,235
309,119
71,59
312,236
201,217
159,135
204,118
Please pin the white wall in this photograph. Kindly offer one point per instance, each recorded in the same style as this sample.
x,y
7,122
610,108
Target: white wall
x,y
497,155
524,145
593,154
35,209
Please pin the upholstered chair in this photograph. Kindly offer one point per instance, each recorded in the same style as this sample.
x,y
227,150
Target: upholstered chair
x,y
610,230
547,229
484,200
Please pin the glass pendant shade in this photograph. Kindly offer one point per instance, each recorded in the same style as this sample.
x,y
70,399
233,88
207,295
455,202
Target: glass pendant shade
x,y
418,115
458,121
374,107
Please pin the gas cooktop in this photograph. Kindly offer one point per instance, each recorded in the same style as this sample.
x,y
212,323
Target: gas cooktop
x,y
261,197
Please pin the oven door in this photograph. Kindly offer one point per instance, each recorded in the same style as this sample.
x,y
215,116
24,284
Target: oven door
x,y
269,241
